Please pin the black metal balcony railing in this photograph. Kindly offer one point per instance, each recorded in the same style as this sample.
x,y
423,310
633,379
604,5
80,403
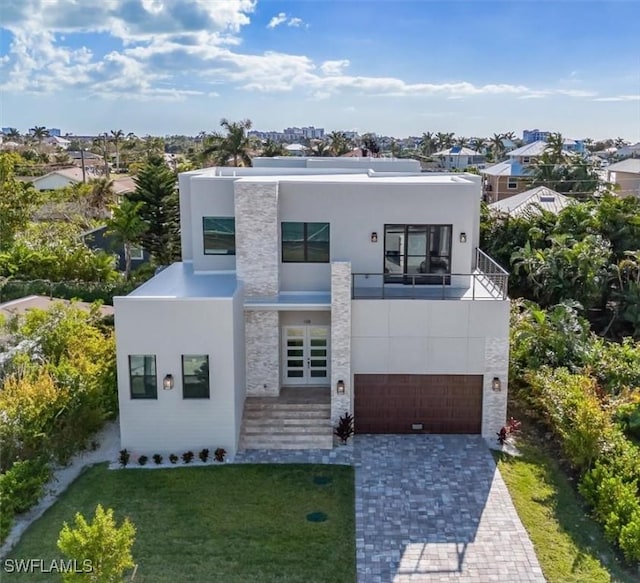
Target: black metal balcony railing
x,y
488,281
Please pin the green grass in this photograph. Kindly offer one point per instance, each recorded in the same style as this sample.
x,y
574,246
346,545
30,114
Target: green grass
x,y
233,524
569,545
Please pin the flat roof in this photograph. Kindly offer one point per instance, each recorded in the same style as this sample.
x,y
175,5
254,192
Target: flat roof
x,y
370,178
179,281
291,301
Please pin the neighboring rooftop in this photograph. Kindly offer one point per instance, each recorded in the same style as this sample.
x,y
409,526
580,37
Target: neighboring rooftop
x,y
22,305
507,168
457,151
532,149
179,281
631,165
531,201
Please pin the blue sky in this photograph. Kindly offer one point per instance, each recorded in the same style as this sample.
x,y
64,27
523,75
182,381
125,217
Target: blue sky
x,y
388,66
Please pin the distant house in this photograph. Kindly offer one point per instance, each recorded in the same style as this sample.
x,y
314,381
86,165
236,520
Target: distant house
x,y
458,158
99,239
23,305
531,202
61,178
57,141
626,175
631,151
296,150
514,175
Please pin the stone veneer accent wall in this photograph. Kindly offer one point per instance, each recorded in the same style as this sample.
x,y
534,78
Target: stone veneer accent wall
x,y
341,339
257,253
262,353
494,404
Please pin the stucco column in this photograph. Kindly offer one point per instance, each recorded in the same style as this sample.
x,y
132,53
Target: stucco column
x,y
494,403
257,253
341,339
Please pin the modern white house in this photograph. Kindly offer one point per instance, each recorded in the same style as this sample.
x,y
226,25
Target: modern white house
x,y
308,292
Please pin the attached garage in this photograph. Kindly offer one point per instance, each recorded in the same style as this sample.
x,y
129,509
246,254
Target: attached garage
x,y
414,403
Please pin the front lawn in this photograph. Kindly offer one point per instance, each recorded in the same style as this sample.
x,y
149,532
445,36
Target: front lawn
x,y
235,523
569,545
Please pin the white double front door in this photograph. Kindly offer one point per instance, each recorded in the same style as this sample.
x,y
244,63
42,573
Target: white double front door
x,y
305,355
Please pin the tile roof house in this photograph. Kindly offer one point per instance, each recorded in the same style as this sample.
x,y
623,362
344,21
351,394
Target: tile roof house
x,y
626,175
306,292
531,202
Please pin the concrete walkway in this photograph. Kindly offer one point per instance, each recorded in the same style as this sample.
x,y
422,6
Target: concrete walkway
x,y
435,508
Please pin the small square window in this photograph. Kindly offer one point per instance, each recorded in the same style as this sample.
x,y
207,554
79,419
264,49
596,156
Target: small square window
x,y
512,184
305,242
195,376
219,234
137,253
143,381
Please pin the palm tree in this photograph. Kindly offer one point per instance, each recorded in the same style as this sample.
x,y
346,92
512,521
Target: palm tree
x,y
370,144
235,145
116,137
619,142
339,144
461,141
39,133
478,144
126,227
320,149
101,197
444,140
497,145
510,136
428,143
272,148
13,134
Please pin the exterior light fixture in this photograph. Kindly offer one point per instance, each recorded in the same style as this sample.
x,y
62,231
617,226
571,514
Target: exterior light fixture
x,y
463,237
340,387
374,237
496,384
167,382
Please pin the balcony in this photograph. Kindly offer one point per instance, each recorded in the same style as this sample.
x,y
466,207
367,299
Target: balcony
x,y
488,281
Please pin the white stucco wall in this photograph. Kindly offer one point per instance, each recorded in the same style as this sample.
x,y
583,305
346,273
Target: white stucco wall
x,y
355,210
170,328
436,337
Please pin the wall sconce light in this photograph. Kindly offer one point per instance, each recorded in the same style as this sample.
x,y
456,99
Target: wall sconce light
x,y
374,237
496,384
463,237
340,387
167,382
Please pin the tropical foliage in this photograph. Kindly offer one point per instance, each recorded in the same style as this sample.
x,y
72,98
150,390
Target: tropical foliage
x,y
58,388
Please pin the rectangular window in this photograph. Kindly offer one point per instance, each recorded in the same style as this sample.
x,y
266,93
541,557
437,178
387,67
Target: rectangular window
x,y
512,184
137,253
143,380
195,376
219,235
305,242
420,251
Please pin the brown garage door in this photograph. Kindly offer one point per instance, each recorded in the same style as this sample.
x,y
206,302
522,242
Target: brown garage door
x,y
393,403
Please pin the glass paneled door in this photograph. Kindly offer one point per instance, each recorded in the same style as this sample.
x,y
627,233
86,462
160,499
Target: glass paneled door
x,y
306,355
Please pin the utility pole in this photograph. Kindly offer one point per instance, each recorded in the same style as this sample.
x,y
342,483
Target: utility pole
x,y
84,172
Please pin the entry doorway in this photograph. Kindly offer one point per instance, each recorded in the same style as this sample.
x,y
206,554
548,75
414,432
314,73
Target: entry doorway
x,y
305,355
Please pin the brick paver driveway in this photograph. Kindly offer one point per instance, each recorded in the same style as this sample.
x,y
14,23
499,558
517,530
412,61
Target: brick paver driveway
x,y
435,508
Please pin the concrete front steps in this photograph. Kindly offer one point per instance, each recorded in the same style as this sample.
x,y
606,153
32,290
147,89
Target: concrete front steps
x,y
275,423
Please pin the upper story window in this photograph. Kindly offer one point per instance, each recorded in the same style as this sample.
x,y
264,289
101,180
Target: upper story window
x,y
512,184
305,242
143,381
195,376
416,250
219,234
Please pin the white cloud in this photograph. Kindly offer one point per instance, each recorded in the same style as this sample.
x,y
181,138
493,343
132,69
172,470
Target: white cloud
x,y
619,98
334,67
282,18
277,20
174,49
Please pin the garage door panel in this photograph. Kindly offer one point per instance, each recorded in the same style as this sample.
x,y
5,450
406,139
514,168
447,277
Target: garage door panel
x,y
390,403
